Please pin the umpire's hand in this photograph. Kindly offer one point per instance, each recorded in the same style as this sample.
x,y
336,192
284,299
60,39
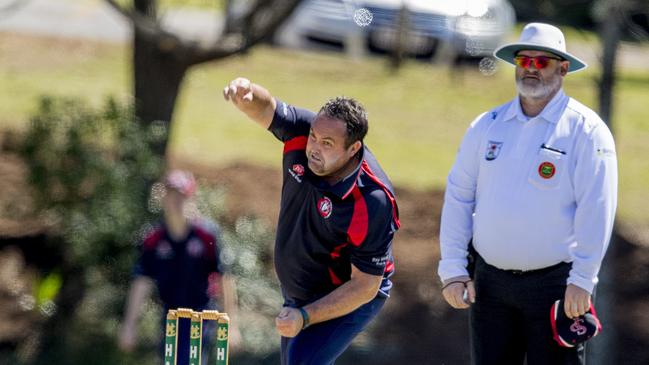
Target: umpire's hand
x,y
459,292
576,301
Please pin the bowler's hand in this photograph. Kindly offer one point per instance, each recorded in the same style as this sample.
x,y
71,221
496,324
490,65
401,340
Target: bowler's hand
x,y
454,289
238,91
289,322
252,99
576,301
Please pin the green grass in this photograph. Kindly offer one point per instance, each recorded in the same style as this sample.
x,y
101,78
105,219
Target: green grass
x,y
168,4
33,67
201,4
417,116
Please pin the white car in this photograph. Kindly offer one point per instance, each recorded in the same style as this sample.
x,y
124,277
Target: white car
x,y
465,28
320,22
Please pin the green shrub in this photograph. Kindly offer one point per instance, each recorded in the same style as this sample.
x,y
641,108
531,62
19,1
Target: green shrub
x,y
91,171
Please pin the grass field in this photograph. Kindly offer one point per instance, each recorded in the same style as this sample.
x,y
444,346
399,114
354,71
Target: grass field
x,y
417,116
167,4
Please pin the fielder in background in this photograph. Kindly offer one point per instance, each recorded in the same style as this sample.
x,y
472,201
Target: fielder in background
x,y
338,217
180,257
534,186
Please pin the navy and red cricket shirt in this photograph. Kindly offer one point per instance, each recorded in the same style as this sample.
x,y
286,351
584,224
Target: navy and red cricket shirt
x,y
186,271
323,228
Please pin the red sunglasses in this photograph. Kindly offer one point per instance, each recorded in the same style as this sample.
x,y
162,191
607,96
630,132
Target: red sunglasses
x,y
539,61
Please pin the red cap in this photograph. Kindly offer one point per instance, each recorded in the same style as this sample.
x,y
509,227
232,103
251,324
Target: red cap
x,y
570,332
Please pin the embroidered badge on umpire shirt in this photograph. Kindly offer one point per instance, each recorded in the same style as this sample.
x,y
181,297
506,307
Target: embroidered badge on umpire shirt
x,y
493,150
547,170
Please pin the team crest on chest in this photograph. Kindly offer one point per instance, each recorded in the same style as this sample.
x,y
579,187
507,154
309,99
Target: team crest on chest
x,y
164,250
493,150
325,207
195,248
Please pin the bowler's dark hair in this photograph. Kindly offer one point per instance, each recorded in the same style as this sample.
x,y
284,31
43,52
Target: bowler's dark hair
x,y
352,113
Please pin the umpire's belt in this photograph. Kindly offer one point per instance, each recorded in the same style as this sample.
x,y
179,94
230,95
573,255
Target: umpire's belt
x,y
542,270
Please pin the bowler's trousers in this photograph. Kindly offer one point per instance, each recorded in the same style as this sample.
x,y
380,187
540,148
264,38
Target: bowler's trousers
x,y
510,319
322,343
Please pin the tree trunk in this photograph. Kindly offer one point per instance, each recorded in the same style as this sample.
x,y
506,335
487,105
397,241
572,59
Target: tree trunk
x,y
610,39
157,76
158,71
603,349
397,53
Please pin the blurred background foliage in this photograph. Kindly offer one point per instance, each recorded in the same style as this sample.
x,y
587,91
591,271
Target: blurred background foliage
x,y
90,169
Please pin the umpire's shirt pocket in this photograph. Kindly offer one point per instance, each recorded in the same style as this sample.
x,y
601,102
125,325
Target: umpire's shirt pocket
x,y
548,167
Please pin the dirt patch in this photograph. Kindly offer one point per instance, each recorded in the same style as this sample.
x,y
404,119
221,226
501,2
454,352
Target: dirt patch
x,y
251,190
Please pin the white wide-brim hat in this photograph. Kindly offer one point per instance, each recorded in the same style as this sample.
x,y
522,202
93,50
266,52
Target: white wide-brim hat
x,y
540,37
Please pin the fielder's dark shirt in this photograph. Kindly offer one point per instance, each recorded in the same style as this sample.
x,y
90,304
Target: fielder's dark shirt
x,y
323,229
186,271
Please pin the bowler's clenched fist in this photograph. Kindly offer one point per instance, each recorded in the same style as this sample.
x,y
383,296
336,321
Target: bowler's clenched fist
x,y
289,322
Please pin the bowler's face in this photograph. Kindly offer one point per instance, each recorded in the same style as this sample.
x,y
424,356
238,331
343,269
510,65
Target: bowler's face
x,y
325,148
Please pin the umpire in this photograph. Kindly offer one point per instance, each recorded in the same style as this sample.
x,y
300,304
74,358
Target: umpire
x,y
534,186
338,216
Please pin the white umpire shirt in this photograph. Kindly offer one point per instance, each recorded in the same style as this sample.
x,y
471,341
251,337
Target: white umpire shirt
x,y
532,192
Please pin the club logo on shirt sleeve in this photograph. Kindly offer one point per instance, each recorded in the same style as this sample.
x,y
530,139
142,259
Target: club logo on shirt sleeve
x,y
325,207
547,170
297,171
493,150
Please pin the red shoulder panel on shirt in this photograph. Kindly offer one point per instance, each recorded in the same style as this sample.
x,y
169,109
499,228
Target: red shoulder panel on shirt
x,y
295,144
152,238
357,230
368,171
